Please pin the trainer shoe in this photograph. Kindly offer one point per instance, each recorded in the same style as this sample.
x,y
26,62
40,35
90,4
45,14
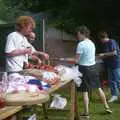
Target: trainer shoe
x,y
84,115
113,98
108,111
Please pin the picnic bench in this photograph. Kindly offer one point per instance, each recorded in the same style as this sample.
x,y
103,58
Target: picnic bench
x,y
9,111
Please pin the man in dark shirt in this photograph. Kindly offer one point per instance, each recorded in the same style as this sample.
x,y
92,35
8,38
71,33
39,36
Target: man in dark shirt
x,y
111,59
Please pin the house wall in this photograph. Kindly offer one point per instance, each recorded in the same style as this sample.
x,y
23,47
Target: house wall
x,y
59,44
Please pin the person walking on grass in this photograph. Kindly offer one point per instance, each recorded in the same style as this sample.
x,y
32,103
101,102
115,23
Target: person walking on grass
x,y
85,58
111,58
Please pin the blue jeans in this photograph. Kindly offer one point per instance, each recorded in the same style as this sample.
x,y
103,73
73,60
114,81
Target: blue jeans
x,y
114,80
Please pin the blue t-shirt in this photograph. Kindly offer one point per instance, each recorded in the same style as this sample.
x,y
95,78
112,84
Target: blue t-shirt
x,y
112,61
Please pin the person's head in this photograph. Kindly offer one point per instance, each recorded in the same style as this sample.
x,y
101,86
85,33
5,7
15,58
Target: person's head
x,y
25,24
103,36
82,32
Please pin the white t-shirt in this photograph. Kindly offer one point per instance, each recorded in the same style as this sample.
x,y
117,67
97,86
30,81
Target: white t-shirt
x,y
15,41
86,49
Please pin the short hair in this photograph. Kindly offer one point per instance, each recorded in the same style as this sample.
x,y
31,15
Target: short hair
x,y
83,30
23,21
102,34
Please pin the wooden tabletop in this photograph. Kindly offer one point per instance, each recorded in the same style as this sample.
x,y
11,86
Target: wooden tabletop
x,y
29,99
26,98
8,111
58,86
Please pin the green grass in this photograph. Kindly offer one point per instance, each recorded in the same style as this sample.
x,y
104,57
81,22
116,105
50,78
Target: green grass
x,y
96,108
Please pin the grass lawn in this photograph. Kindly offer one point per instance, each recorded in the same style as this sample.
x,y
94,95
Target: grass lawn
x,y
97,111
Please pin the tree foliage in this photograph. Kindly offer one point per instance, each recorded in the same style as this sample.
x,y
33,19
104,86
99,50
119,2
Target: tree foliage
x,y
8,11
4,11
67,14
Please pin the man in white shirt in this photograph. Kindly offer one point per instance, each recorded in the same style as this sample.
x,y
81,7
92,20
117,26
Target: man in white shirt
x,y
85,58
18,48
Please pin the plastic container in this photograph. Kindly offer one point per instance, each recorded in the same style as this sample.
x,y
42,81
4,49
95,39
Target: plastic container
x,y
3,88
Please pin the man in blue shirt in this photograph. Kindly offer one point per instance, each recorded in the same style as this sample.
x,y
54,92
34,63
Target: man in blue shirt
x,y
111,59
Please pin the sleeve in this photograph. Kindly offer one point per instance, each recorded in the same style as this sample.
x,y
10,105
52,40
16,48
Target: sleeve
x,y
80,49
10,44
113,45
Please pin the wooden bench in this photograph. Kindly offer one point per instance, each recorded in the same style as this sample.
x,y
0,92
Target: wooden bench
x,y
9,111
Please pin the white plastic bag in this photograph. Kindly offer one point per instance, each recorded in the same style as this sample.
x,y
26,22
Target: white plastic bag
x,y
76,76
77,81
70,73
33,117
58,102
76,71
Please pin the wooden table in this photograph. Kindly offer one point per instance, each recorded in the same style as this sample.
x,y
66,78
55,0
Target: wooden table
x,y
23,99
26,98
73,93
9,111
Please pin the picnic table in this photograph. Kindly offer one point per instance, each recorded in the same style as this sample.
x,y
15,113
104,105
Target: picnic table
x,y
73,94
74,113
27,100
18,101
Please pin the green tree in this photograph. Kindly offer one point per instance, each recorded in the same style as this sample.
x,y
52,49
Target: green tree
x,y
70,13
8,12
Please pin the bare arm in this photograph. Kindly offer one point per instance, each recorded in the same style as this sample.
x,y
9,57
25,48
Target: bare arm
x,y
108,54
19,52
35,58
45,55
74,60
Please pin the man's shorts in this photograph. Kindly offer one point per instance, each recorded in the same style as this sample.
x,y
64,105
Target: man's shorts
x,y
90,78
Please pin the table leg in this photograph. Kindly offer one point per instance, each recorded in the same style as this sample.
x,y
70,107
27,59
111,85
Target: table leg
x,y
72,111
44,107
77,116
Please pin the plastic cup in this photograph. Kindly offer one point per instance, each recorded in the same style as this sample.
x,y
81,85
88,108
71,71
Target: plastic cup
x,y
3,88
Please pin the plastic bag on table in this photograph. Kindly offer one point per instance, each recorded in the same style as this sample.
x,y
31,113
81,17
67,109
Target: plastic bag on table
x,y
70,73
58,102
77,76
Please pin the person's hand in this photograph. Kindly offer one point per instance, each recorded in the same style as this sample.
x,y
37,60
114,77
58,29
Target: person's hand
x,y
46,56
39,61
101,55
27,51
